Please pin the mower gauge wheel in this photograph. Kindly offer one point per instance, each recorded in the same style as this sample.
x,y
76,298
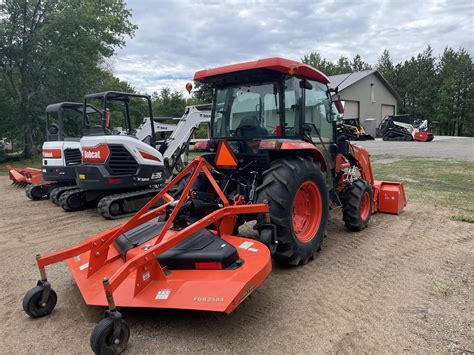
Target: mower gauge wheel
x,y
103,340
33,304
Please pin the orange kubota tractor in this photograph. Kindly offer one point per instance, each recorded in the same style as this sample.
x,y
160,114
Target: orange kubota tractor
x,y
274,159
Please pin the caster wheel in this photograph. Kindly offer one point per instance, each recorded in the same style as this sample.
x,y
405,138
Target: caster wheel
x,y
103,340
33,306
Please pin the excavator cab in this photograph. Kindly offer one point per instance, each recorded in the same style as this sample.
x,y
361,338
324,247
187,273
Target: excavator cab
x,y
61,150
114,161
119,113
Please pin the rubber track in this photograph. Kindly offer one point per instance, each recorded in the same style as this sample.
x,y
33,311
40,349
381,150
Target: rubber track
x,y
64,197
31,187
103,207
53,196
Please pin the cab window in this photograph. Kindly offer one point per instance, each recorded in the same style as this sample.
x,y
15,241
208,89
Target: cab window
x,y
318,111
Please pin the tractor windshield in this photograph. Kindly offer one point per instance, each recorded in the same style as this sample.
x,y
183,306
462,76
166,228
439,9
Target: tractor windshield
x,y
255,110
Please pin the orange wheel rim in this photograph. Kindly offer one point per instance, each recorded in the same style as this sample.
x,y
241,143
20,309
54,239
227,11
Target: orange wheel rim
x,y
365,206
306,212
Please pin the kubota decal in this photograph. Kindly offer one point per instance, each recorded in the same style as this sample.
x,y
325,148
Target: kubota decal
x,y
95,155
52,153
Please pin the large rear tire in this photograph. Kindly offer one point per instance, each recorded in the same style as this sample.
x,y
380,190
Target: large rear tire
x,y
299,207
357,205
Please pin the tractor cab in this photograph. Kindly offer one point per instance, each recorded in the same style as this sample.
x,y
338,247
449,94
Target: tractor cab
x,y
264,108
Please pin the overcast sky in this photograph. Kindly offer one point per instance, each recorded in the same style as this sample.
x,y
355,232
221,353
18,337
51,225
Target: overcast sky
x,y
176,38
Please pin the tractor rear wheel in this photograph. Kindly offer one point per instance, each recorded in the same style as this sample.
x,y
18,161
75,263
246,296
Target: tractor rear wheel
x,y
357,205
299,207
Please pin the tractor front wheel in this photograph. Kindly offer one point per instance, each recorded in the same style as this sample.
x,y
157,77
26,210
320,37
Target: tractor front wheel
x,y
357,205
299,207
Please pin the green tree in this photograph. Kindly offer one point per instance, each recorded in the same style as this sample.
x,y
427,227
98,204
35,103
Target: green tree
x,y
385,66
342,66
48,48
419,85
358,64
168,103
455,101
202,93
317,61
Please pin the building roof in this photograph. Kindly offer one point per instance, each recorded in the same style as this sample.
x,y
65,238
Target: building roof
x,y
343,81
277,64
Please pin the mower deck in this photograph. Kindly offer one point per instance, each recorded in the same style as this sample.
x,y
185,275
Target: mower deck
x,y
207,290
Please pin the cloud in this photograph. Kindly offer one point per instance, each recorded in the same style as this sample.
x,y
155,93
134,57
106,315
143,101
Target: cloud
x,y
177,38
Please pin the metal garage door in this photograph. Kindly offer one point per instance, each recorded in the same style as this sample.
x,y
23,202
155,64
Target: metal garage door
x,y
351,109
387,110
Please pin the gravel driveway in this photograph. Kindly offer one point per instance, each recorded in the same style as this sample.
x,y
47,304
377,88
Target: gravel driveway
x,y
402,285
459,148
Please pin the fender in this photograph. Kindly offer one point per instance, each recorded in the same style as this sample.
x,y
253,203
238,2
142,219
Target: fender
x,y
317,152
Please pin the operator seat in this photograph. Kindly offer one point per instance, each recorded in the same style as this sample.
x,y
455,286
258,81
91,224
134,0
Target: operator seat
x,y
249,127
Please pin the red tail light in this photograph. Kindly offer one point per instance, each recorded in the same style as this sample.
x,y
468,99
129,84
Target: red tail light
x,y
269,144
114,180
52,153
209,265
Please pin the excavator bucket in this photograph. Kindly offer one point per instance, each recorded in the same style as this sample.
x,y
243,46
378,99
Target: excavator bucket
x,y
152,261
24,176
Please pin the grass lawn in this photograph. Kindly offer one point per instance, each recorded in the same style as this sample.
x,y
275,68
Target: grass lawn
x,y
446,183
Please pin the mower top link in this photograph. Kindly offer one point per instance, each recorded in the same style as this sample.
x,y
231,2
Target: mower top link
x,y
275,158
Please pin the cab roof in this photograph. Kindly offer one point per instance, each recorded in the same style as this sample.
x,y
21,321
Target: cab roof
x,y
281,65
